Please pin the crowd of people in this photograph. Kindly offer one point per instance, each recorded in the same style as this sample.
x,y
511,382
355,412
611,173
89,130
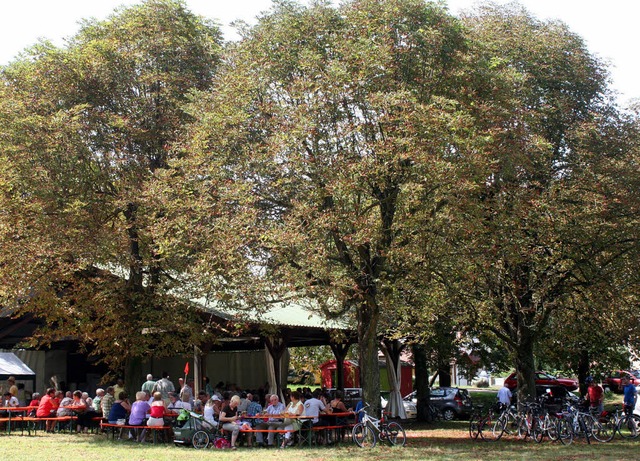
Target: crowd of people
x,y
159,402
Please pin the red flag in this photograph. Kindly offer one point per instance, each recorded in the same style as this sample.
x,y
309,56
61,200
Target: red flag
x,y
186,369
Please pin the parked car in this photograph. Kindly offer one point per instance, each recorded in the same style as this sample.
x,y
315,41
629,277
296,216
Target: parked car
x,y
544,379
557,396
410,407
613,381
451,402
352,395
301,377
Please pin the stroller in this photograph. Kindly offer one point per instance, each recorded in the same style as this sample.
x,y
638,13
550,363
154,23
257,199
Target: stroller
x,y
192,429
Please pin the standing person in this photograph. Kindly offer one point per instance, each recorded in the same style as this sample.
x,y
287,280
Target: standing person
x,y
630,395
208,388
595,395
148,385
11,384
186,393
164,386
505,395
119,387
229,417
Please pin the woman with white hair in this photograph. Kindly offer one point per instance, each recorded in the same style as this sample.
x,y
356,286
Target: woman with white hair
x,y
229,417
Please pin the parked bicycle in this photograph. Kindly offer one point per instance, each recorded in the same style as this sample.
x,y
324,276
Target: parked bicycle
x,y
367,432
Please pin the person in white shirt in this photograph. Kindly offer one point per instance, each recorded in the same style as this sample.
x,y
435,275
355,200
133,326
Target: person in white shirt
x,y
313,406
504,396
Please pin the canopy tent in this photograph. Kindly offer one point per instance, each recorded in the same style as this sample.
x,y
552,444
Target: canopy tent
x,y
11,365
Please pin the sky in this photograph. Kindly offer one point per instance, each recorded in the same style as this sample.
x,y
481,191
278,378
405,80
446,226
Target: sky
x,y
608,27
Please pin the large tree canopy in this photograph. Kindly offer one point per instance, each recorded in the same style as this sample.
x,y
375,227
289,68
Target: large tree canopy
x,y
84,128
550,223
329,141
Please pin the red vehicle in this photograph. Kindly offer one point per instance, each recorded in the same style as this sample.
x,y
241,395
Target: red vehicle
x,y
544,379
615,377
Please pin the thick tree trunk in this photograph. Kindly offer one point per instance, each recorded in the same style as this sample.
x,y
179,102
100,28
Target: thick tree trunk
x,y
422,382
444,371
368,316
134,375
525,368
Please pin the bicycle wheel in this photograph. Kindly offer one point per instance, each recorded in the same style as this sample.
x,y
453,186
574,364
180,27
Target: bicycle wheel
x,y
524,428
537,431
551,427
363,436
491,428
474,426
598,431
200,440
629,426
606,430
396,435
564,431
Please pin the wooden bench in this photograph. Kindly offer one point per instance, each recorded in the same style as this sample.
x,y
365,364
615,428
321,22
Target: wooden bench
x,y
113,427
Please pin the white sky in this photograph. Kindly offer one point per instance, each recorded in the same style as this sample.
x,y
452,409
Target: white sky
x,y
609,27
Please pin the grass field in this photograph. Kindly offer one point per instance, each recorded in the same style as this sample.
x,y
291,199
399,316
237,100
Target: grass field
x,y
441,441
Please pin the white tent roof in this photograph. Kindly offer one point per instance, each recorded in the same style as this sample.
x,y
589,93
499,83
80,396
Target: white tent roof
x,y
11,365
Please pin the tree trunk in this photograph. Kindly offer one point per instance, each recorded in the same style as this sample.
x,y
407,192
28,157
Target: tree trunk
x,y
422,382
368,316
444,371
583,371
525,367
134,374
339,352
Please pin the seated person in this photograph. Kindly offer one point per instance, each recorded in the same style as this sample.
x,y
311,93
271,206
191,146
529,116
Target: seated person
x,y
157,411
295,408
229,417
275,411
210,412
175,404
200,402
139,409
96,403
47,408
65,403
9,401
120,409
35,402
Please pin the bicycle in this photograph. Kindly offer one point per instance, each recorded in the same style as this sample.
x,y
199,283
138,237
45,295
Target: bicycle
x,y
574,423
474,421
629,424
491,426
367,432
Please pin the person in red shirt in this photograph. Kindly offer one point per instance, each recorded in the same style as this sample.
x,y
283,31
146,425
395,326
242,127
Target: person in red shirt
x,y
595,395
48,407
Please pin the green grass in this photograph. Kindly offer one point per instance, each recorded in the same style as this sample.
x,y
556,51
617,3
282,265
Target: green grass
x,y
443,441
